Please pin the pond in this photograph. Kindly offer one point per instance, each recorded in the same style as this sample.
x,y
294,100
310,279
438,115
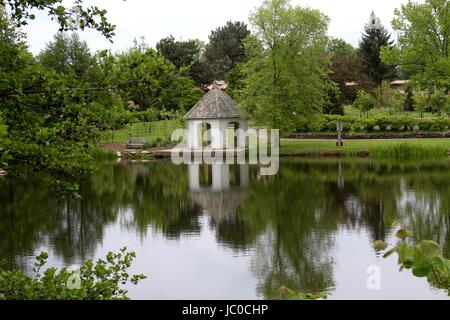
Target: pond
x,y
228,232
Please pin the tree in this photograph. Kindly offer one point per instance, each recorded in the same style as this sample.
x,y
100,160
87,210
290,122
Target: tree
x,y
77,17
286,75
439,103
67,55
186,56
226,48
180,53
409,99
334,103
3,142
364,102
151,81
374,38
53,120
388,98
423,43
339,47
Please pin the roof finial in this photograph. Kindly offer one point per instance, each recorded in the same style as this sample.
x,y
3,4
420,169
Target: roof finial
x,y
218,84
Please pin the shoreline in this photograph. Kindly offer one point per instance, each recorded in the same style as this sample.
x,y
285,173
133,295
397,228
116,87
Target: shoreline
x,y
297,148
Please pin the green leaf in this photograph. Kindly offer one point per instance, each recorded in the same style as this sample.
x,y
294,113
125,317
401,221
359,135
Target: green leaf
x,y
390,252
403,234
429,248
380,245
405,254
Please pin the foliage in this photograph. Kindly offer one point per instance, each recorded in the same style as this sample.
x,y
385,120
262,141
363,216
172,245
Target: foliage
x,y
327,123
187,56
334,104
285,77
409,103
425,259
67,55
101,154
289,294
374,38
148,80
423,43
77,17
349,67
157,133
421,102
439,102
180,53
3,142
364,102
340,47
52,118
388,98
225,49
101,280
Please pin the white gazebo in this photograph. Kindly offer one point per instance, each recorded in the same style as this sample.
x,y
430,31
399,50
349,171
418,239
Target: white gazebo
x,y
219,115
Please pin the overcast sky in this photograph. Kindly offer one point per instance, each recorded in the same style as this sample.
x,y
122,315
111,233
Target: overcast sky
x,y
189,19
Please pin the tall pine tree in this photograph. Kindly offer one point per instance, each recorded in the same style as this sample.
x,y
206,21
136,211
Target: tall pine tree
x,y
375,37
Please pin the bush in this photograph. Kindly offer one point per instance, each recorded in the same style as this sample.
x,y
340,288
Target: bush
x,y
93,281
393,124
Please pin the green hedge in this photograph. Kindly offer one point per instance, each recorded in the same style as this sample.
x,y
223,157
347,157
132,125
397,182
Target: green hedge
x,y
381,124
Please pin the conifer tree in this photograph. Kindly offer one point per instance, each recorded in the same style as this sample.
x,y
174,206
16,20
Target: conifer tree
x,y
374,38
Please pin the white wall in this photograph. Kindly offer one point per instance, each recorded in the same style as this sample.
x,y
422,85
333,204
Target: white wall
x,y
219,136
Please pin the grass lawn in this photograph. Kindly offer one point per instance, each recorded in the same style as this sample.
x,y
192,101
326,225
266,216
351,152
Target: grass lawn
x,y
153,131
352,146
160,133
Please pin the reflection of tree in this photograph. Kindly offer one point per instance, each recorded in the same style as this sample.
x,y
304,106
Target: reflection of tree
x,y
296,218
289,219
32,216
296,214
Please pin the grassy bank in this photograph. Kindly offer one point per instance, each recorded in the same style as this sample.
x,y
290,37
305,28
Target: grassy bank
x,y
404,148
152,131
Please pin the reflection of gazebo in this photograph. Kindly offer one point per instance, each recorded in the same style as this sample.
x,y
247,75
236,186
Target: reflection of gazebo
x,y
218,196
216,112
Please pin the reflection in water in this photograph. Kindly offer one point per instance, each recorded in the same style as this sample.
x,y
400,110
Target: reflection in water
x,y
219,189
293,226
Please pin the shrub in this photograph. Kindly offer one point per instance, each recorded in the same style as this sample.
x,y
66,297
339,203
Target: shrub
x,y
101,280
395,124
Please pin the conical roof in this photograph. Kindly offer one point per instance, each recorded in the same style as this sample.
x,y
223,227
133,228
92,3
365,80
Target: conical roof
x,y
215,104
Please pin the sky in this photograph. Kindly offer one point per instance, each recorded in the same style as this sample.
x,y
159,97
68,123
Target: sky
x,y
194,19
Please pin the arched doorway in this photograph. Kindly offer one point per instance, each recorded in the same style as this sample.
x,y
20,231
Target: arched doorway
x,y
204,134
233,134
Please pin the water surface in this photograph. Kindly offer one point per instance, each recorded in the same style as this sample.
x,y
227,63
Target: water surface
x,y
227,232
